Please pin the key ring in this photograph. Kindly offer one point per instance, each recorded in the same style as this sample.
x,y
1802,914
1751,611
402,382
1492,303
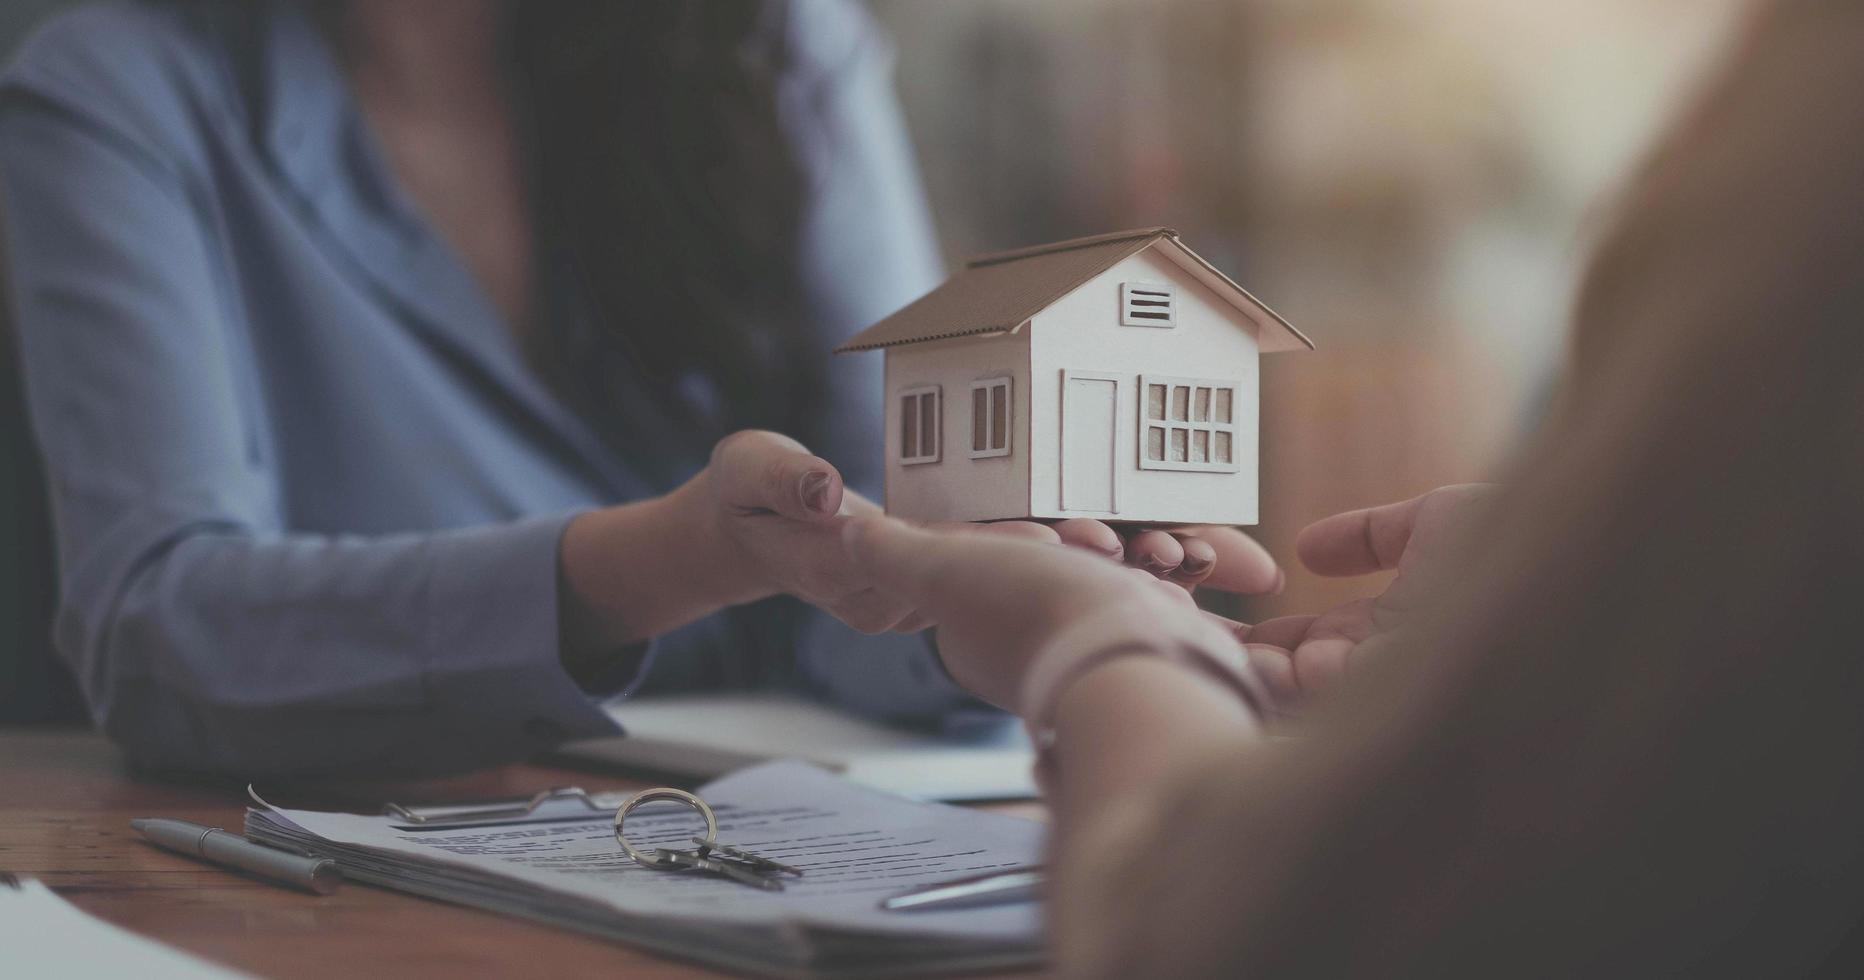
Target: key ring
x,y
665,795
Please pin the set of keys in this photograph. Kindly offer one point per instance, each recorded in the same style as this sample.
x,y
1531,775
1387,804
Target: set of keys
x,y
707,855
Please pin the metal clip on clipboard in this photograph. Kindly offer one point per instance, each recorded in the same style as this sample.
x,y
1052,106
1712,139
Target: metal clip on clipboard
x,y
580,803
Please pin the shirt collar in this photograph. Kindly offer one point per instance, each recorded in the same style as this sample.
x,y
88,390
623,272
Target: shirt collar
x,y
318,142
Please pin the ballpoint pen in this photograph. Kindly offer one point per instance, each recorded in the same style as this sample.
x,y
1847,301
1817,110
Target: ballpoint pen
x,y
319,875
976,891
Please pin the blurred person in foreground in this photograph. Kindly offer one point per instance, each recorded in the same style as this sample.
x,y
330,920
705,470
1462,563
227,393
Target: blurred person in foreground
x,y
403,368
1605,722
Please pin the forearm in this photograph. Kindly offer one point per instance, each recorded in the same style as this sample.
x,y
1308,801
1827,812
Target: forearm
x,y
1143,746
255,653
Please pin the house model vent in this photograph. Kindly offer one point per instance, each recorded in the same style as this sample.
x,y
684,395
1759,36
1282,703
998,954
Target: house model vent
x,y
1148,304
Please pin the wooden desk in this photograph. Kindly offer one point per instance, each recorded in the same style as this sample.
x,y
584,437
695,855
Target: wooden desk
x,y
65,805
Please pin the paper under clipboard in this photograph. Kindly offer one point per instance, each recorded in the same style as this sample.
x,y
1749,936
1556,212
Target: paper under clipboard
x,y
559,863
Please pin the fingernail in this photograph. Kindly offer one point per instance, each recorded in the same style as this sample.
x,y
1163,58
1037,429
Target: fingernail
x,y
1195,565
1117,554
1281,582
1156,565
815,491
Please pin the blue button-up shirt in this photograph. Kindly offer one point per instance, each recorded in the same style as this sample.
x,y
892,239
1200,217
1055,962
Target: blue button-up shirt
x,y
307,493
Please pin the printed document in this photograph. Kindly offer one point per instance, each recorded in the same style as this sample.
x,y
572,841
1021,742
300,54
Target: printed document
x,y
855,845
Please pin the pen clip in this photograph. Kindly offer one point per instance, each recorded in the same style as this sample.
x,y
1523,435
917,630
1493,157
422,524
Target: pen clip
x,y
1001,887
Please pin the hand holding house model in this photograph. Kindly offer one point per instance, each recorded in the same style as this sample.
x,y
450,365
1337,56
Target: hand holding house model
x,y
1113,377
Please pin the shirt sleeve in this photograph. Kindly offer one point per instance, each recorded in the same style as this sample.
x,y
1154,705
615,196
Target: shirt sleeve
x,y
205,633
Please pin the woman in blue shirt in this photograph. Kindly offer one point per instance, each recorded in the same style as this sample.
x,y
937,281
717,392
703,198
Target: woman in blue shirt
x,y
347,326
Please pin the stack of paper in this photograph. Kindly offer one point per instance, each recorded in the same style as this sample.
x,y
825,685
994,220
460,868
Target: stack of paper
x,y
856,846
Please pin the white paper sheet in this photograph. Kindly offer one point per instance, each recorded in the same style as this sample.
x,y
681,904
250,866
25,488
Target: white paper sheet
x,y
855,844
46,938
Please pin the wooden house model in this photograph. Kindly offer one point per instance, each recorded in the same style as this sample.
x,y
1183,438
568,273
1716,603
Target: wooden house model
x,y
1113,377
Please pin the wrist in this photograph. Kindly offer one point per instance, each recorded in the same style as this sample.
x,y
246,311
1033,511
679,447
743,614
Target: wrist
x,y
1145,686
588,622
1142,625
631,572
606,566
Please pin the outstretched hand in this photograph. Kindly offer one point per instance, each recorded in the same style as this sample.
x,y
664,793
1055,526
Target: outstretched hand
x,y
1416,538
777,511
765,518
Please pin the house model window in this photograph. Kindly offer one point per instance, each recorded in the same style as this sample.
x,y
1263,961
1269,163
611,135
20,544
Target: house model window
x,y
1188,424
1148,304
990,418
919,428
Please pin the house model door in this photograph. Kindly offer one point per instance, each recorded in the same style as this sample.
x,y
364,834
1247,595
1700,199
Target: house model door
x,y
1090,423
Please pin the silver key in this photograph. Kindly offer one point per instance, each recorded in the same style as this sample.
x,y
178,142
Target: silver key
x,y
758,862
734,870
734,863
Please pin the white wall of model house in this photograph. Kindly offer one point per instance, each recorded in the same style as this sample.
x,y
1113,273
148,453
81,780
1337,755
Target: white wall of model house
x,y
1211,346
1107,420
961,484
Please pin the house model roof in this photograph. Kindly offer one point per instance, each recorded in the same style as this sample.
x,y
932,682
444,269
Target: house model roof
x,y
999,291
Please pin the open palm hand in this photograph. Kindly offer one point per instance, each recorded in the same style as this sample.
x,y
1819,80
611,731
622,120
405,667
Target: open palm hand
x,y
1301,656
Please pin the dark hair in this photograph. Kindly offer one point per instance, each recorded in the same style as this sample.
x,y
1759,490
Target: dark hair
x,y
665,182
664,186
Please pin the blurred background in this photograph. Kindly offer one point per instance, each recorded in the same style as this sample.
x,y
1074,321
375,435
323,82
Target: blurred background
x,y
1412,182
